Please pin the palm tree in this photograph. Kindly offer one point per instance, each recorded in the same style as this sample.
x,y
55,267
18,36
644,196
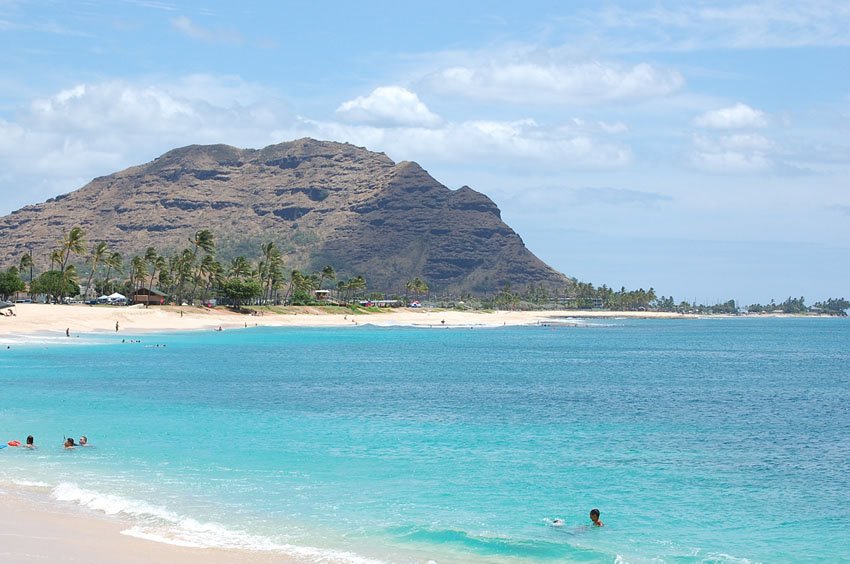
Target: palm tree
x,y
240,268
152,259
326,274
138,271
417,286
98,251
295,281
211,271
72,242
113,262
26,262
205,241
271,268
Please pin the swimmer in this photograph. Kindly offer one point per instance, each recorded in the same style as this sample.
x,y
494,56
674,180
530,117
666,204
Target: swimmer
x,y
594,516
557,522
69,443
30,442
84,441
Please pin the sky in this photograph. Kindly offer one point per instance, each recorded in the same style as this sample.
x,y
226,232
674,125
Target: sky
x,y
698,148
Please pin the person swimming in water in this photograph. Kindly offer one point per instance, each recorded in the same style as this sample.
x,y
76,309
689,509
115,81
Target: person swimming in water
x,y
84,441
594,516
30,442
69,443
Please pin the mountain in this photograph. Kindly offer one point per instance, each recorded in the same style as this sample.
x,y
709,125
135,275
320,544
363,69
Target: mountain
x,y
321,202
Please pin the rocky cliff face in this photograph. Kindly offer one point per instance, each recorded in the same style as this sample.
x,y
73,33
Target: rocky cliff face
x,y
321,202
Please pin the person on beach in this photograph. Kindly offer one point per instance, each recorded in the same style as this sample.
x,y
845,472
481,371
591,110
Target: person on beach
x,y
116,326
69,443
68,332
30,442
594,516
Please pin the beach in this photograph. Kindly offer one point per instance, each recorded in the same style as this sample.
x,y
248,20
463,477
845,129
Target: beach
x,y
37,529
78,319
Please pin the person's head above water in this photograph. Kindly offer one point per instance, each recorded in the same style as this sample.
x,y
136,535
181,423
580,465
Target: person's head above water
x,y
83,440
30,440
594,516
69,443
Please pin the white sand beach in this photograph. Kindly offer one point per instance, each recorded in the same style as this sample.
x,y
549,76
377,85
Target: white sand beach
x,y
35,528
31,319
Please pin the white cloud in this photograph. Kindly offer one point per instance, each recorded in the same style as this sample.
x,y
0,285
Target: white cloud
x,y
739,116
477,140
388,105
739,153
58,143
527,81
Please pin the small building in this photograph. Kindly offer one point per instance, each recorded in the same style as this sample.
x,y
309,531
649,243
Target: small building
x,y
322,295
149,296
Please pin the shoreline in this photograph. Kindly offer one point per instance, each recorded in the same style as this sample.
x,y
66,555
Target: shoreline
x,y
54,319
37,527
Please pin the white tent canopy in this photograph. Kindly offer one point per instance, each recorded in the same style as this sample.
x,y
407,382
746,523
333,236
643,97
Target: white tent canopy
x,y
116,297
103,298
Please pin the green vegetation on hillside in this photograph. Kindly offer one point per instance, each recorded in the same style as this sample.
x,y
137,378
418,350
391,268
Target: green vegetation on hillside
x,y
192,275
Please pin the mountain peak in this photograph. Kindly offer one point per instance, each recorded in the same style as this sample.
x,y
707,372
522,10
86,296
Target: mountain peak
x,y
321,202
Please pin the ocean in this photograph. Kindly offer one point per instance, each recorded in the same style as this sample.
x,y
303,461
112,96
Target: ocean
x,y
709,440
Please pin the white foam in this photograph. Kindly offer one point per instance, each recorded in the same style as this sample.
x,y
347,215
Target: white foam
x,y
111,504
160,524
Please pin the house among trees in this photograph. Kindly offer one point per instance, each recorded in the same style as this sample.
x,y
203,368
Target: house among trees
x,y
149,296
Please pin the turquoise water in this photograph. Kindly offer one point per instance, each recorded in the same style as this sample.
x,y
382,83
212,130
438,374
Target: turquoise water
x,y
718,440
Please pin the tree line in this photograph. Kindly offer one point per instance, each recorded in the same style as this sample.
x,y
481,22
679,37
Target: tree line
x,y
194,275
191,275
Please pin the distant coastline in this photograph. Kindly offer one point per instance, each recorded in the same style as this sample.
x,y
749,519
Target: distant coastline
x,y
30,319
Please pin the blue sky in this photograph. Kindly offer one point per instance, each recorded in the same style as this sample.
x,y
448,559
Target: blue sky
x,y
701,148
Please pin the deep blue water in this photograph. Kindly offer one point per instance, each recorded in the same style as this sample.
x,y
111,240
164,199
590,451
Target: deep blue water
x,y
718,440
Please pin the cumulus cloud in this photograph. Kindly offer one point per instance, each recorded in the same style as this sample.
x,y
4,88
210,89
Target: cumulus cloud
x,y
739,153
531,82
520,141
388,105
57,143
739,116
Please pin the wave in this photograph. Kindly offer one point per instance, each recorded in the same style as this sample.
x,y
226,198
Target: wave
x,y
494,545
160,524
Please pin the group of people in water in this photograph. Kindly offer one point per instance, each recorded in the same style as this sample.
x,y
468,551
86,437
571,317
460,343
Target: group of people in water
x,y
30,443
69,442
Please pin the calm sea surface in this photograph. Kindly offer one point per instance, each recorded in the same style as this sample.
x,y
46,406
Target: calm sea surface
x,y
718,440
